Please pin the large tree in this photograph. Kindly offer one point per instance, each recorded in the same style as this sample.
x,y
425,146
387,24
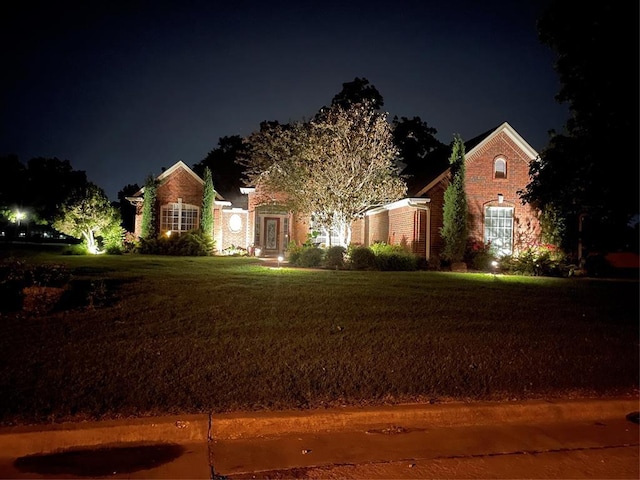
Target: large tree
x,y
419,149
455,228
87,214
358,91
334,167
50,183
588,175
226,172
38,188
127,210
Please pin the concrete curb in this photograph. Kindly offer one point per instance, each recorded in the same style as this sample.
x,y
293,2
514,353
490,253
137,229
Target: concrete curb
x,y
20,441
264,424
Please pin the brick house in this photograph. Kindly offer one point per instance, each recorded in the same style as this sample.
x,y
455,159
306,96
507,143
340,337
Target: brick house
x,y
497,166
179,208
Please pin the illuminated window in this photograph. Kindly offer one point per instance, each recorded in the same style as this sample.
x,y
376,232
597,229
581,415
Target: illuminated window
x,y
179,217
323,236
498,229
235,223
500,168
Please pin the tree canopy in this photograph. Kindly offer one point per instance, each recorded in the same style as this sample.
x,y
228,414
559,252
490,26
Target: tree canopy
x,y
127,210
226,172
334,167
415,139
86,215
39,187
590,171
358,91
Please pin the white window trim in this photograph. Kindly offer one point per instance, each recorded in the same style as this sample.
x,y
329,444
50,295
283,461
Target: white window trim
x,y
495,169
500,251
181,207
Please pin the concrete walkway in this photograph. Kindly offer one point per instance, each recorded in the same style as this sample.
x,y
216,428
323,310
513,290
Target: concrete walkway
x,y
581,438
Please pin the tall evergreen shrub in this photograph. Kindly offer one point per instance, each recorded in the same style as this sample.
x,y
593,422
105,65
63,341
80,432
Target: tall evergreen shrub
x,y
148,227
208,197
455,229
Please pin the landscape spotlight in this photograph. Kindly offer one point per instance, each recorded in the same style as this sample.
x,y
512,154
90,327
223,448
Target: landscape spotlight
x,y
279,260
494,266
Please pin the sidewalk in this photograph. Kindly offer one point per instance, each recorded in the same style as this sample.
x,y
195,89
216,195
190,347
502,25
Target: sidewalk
x,y
584,438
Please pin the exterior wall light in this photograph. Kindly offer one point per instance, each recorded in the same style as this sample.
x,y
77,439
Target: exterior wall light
x,y
500,198
168,233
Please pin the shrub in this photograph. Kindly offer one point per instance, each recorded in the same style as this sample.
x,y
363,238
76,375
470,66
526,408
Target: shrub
x,y
393,257
130,242
47,275
16,275
334,257
479,255
362,258
11,284
542,260
396,261
293,253
113,239
310,257
192,243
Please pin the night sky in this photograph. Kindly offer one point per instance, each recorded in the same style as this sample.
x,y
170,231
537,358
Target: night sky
x,y
122,89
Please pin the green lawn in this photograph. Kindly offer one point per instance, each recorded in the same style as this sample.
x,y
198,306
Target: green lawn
x,y
218,334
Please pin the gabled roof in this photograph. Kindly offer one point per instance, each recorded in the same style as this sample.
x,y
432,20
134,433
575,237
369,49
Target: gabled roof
x,y
476,144
180,164
510,132
169,171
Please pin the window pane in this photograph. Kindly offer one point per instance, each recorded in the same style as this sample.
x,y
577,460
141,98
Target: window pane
x,y
189,219
498,229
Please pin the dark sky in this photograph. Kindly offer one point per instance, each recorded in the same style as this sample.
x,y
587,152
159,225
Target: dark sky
x,y
122,89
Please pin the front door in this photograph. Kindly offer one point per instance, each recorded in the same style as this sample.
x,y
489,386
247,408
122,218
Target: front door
x,y
271,234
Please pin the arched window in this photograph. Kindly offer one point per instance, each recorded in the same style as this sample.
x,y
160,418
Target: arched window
x,y
500,168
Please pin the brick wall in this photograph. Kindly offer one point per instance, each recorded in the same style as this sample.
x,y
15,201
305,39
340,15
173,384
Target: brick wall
x,y
483,189
436,194
180,184
228,236
358,232
378,227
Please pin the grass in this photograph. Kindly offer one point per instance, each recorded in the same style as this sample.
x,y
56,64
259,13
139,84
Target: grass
x,y
219,334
